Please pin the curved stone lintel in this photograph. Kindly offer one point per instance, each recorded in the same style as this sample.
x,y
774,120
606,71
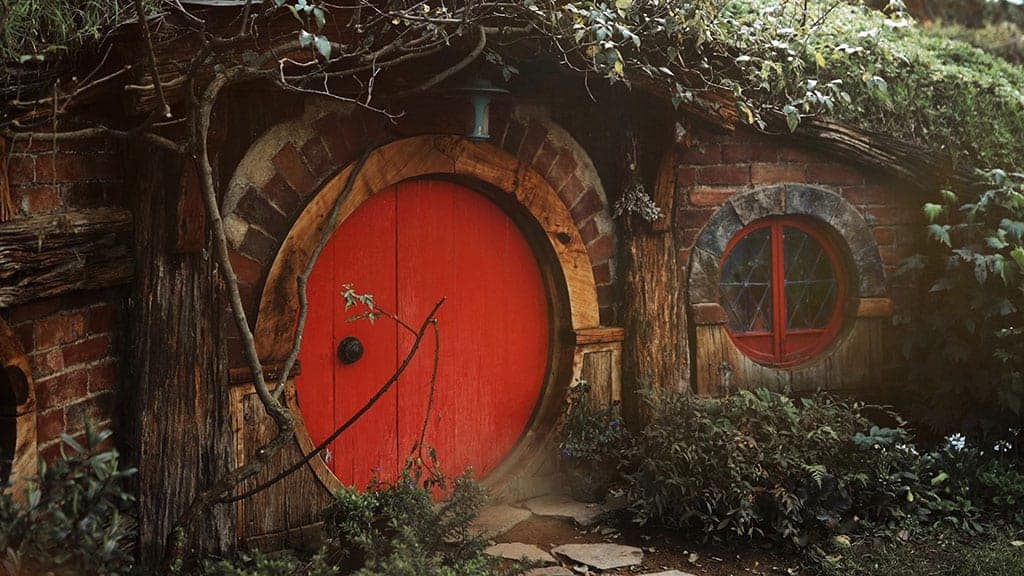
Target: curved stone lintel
x,y
790,199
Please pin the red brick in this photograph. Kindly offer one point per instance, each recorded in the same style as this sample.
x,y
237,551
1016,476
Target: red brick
x,y
103,377
572,190
35,310
102,318
49,425
724,174
338,146
866,195
77,167
743,152
536,134
317,158
247,270
57,330
694,218
791,154
291,167
95,409
833,174
776,173
93,194
87,351
62,389
589,231
258,246
701,154
21,169
546,157
707,196
513,137
601,249
46,363
37,199
884,236
889,215
562,169
603,273
23,333
587,206
686,176
687,236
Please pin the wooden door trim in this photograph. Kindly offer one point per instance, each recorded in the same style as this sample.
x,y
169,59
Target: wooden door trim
x,y
446,156
14,363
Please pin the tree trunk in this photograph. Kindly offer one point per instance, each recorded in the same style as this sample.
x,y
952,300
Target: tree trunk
x,y
178,430
655,353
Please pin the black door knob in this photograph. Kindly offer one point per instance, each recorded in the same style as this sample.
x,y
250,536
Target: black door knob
x,y
350,349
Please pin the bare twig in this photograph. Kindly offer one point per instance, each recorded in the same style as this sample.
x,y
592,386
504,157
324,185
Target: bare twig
x,y
427,322
140,13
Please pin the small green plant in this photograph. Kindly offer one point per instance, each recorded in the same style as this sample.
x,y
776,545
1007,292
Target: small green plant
x,y
591,442
261,564
396,529
76,515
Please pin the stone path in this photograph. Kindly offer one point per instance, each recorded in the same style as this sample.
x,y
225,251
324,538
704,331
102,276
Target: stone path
x,y
568,558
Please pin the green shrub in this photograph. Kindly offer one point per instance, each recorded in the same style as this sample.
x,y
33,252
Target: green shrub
x,y
398,530
260,564
591,440
761,464
75,518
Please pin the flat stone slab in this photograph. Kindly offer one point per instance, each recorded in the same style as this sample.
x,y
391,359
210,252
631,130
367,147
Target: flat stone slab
x,y
549,571
562,506
602,556
496,520
668,573
520,551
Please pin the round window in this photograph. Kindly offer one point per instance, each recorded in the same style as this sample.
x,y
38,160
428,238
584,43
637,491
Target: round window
x,y
782,287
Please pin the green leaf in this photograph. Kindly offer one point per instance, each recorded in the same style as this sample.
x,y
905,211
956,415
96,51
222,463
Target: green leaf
x,y
792,117
940,234
623,4
819,59
305,39
932,211
323,46
1018,256
940,478
319,16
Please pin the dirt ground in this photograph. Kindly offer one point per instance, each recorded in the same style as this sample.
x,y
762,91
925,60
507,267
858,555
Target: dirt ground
x,y
661,551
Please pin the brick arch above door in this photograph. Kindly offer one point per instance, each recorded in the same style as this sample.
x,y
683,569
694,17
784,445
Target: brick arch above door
x,y
284,169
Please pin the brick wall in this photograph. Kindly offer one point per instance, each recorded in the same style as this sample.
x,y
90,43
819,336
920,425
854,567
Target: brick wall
x,y
72,341
718,166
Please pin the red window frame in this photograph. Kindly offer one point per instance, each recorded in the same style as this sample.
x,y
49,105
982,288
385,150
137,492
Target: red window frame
x,y
782,347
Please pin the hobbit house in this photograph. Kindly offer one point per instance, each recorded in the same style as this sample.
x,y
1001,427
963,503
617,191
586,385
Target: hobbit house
x,y
770,261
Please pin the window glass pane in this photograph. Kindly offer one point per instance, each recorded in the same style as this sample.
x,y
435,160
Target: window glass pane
x,y
745,283
810,281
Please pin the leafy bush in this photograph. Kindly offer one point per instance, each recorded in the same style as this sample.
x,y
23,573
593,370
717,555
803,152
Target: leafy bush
x,y
761,464
75,519
260,564
397,530
963,340
590,434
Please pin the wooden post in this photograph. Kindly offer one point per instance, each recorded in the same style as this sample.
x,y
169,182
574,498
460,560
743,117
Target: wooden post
x,y
177,419
656,350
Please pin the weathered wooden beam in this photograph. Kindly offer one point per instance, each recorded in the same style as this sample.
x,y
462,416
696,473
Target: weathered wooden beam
x,y
44,256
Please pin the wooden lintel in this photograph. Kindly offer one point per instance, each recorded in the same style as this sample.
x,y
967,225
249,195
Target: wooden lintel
x,y
874,308
271,372
44,256
603,335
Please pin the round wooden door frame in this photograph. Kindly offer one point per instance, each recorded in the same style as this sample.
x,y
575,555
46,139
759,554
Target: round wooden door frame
x,y
568,270
13,361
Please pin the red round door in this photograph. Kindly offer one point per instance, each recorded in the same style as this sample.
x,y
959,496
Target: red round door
x,y
409,246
